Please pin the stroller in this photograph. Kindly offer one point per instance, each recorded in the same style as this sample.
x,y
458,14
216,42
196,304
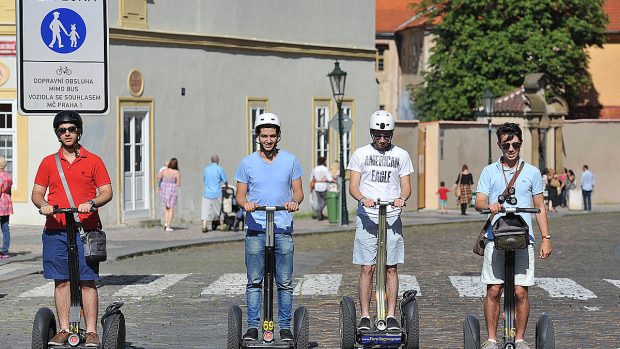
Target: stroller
x,y
231,213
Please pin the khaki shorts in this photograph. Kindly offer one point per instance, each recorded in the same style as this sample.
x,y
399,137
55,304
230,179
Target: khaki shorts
x,y
365,244
210,210
493,266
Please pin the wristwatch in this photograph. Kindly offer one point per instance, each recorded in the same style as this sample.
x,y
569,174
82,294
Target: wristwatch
x,y
548,237
92,203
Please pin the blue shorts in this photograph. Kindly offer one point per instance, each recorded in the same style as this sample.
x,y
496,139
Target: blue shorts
x,y
56,258
443,203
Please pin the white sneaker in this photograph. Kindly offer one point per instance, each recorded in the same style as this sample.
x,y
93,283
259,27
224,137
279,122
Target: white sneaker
x,y
169,229
489,345
522,345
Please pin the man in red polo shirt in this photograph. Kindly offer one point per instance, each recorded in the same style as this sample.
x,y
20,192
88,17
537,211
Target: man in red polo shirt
x,y
90,186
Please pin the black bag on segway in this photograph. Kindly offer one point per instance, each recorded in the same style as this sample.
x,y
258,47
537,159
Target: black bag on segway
x,y
511,233
94,245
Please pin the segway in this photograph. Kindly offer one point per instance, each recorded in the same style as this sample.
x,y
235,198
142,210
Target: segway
x,y
44,325
301,326
379,336
545,338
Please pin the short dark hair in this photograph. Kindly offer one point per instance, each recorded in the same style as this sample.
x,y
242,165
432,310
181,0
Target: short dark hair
x,y
321,160
442,183
510,129
585,166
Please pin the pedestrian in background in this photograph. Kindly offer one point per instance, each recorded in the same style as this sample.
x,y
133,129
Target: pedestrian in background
x,y
320,179
170,181
553,188
6,207
462,188
213,177
443,197
570,184
158,172
587,187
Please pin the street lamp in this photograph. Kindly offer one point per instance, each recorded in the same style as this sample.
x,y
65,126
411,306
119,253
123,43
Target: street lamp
x,y
488,101
338,78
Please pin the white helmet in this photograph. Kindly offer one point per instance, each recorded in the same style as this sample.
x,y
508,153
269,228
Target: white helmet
x,y
267,119
382,120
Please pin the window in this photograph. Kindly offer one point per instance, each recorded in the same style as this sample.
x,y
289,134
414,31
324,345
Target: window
x,y
322,117
8,137
256,106
380,51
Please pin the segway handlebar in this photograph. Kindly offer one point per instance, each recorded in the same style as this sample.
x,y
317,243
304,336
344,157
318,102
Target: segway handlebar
x,y
70,209
513,210
271,208
380,202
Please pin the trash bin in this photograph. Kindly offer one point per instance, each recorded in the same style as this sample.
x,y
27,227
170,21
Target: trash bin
x,y
473,200
332,206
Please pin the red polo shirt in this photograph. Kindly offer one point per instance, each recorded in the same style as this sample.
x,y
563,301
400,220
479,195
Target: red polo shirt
x,y
84,176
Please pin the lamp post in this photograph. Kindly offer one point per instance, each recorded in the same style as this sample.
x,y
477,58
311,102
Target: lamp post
x,y
488,101
337,78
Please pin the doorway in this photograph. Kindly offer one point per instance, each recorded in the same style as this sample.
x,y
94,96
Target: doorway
x,y
135,160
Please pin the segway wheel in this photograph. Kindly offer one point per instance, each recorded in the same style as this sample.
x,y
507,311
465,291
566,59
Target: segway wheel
x,y
301,327
114,332
43,328
234,327
347,323
471,333
545,337
412,324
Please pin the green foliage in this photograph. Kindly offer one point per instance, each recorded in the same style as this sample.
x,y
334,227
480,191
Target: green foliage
x,y
490,44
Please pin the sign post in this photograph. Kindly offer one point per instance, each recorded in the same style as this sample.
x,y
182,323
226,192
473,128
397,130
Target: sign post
x,y
62,49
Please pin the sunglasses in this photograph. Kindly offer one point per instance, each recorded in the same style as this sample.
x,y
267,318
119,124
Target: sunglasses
x,y
506,146
387,136
62,130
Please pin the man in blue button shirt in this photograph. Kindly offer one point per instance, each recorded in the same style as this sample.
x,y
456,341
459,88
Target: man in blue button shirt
x,y
269,177
529,193
213,177
587,187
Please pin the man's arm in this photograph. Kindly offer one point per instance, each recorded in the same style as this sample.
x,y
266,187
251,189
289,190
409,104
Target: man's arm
x,y
105,196
405,191
38,199
354,189
298,196
242,197
541,218
482,202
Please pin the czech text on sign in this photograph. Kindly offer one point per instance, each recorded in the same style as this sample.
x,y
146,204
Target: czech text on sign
x,y
63,56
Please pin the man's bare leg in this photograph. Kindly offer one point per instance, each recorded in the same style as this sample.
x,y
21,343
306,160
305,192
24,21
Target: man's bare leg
x,y
90,303
391,289
62,300
365,288
491,308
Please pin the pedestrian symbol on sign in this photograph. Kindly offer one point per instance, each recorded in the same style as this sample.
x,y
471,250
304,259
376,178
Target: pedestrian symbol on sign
x,y
54,31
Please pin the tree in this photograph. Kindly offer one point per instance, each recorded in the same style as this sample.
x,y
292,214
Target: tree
x,y
490,44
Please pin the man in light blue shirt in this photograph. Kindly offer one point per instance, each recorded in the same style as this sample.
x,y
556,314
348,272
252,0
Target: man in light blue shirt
x,y
213,177
587,187
269,177
529,192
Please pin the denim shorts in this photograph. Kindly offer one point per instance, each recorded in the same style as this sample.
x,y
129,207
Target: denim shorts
x,y
365,244
56,258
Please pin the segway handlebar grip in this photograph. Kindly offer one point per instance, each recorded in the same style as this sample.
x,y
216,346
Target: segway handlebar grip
x,y
69,209
271,208
380,202
513,210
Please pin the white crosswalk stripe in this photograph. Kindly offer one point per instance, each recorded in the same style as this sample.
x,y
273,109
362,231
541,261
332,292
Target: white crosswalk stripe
x,y
564,288
227,285
150,285
5,269
408,282
613,282
318,285
468,286
46,290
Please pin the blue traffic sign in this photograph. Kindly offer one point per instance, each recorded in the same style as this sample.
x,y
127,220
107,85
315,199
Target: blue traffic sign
x,y
63,30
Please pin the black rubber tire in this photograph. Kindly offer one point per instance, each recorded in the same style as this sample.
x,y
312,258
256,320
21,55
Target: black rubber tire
x,y
471,333
234,327
301,327
114,332
545,336
347,323
412,324
43,328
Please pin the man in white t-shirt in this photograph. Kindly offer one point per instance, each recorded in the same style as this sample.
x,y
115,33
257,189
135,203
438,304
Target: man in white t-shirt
x,y
320,178
379,170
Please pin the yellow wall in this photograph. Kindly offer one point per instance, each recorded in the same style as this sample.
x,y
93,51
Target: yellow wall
x,y
605,72
20,193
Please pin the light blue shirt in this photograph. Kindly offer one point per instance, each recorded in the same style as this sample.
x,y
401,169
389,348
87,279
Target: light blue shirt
x,y
213,176
269,184
529,183
587,180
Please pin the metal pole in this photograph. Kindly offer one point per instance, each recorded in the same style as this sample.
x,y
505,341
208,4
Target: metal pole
x,y
344,214
490,129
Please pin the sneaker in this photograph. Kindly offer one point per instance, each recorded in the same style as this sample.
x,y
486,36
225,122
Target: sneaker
x,y
91,340
522,345
169,229
286,335
364,324
251,334
4,255
489,345
60,338
392,324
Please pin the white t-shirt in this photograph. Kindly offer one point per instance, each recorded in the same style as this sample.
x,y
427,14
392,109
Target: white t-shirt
x,y
321,178
380,176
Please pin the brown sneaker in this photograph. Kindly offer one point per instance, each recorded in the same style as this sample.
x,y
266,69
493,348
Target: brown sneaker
x,y
91,340
60,338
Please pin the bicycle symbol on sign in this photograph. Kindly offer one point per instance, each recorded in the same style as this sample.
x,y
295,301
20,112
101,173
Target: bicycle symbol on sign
x,y
63,70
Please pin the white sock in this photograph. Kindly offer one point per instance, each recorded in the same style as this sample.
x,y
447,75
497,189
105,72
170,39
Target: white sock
x,y
519,340
492,340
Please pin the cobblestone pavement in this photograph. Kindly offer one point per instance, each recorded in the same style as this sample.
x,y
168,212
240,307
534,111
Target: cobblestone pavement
x,y
172,299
